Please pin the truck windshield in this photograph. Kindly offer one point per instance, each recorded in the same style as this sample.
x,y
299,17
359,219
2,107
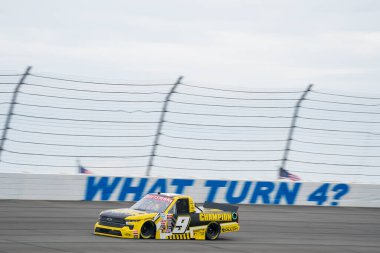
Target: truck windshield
x,y
153,203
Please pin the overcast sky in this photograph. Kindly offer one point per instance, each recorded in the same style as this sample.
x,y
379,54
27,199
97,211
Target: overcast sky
x,y
334,44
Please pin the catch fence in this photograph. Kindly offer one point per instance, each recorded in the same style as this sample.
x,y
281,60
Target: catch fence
x,y
180,129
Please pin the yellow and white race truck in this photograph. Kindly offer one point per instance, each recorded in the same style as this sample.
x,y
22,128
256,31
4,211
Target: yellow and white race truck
x,y
169,216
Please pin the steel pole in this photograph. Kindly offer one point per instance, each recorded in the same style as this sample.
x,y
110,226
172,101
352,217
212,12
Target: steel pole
x,y
293,126
11,109
160,125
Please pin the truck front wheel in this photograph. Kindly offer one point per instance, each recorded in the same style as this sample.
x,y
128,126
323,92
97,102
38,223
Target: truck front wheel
x,y
148,230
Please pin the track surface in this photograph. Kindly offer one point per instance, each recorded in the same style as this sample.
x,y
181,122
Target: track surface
x,y
52,226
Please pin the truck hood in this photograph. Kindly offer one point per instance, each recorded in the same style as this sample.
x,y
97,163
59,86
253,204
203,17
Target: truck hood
x,y
127,212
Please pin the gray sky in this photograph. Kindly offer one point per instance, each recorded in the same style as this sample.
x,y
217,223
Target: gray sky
x,y
334,44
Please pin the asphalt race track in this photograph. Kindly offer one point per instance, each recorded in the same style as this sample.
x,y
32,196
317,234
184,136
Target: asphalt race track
x,y
62,226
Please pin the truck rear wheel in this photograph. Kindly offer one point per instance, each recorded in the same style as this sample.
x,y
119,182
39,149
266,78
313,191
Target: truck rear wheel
x,y
212,231
148,230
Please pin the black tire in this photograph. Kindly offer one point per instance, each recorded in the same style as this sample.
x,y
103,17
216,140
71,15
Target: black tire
x,y
212,231
148,230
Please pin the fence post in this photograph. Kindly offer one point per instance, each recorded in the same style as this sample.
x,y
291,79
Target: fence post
x,y
293,126
11,108
160,124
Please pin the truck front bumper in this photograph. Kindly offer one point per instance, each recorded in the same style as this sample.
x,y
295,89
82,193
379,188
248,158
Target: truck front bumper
x,y
124,232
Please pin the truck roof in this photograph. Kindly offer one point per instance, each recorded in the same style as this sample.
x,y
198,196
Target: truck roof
x,y
166,194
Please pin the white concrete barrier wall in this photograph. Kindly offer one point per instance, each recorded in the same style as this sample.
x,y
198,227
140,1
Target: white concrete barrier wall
x,y
103,188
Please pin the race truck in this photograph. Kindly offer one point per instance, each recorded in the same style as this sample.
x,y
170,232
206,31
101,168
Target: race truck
x,y
168,216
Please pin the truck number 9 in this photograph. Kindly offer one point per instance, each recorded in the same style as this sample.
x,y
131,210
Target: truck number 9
x,y
181,225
